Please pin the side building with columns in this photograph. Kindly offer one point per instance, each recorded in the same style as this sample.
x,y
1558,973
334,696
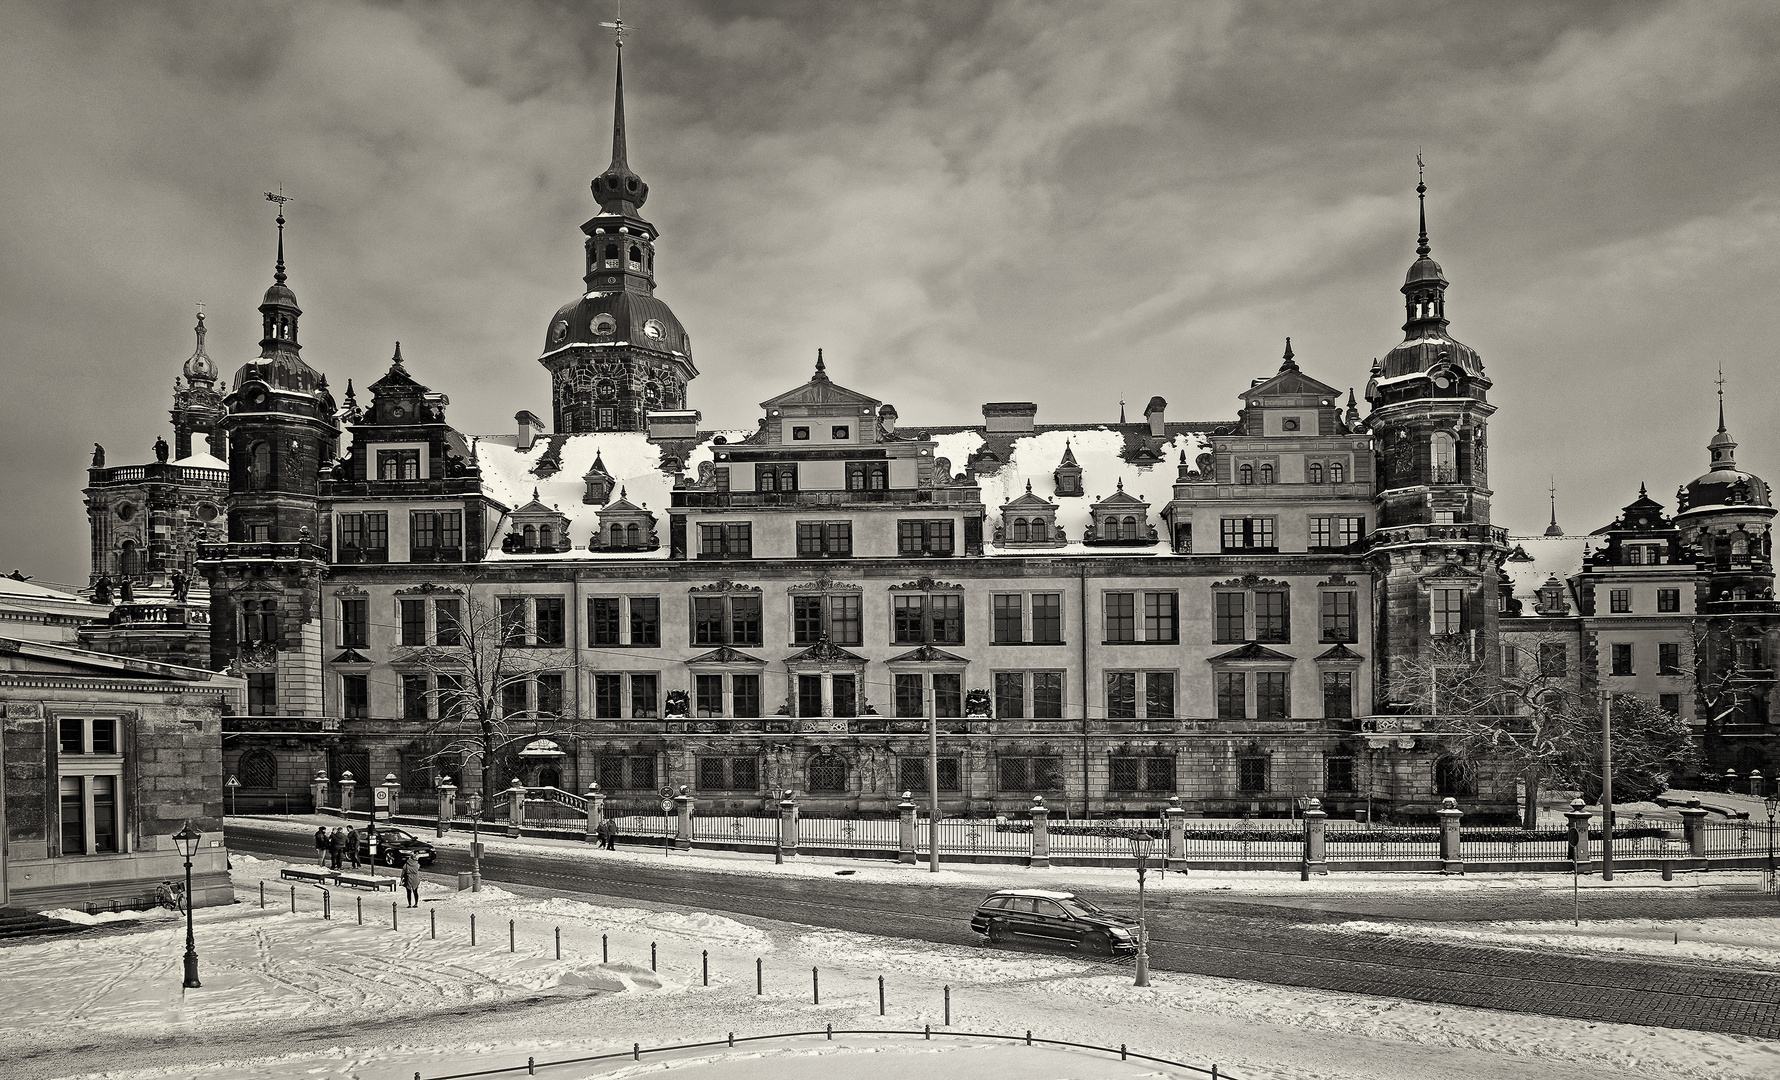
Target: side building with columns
x,y
1103,614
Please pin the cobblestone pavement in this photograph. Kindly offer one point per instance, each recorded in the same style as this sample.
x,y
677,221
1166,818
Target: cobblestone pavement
x,y
1261,939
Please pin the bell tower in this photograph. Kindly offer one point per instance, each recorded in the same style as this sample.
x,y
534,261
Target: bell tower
x,y
197,406
1434,549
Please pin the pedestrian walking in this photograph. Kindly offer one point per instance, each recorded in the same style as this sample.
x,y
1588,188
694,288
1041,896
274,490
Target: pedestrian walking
x,y
337,847
321,845
352,844
411,879
607,831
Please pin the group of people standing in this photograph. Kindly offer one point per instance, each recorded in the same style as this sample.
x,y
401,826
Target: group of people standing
x,y
343,846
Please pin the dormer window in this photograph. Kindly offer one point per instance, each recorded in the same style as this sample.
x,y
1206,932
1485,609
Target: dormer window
x,y
398,464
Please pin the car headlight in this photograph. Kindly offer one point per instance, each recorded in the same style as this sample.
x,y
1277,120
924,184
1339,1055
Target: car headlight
x,y
1119,931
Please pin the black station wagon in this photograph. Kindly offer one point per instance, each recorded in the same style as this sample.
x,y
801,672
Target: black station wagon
x,y
1059,917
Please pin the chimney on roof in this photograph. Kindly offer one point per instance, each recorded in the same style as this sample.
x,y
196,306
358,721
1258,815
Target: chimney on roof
x,y
1010,416
887,419
1153,413
530,427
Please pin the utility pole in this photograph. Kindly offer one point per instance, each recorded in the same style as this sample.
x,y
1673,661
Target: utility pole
x,y
1606,786
933,790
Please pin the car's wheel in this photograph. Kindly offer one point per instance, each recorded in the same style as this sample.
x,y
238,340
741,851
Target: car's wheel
x,y
1098,943
997,933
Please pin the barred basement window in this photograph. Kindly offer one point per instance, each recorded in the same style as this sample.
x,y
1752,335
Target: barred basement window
x,y
911,775
1453,777
728,774
1029,774
618,773
1338,774
257,770
828,775
1251,775
1141,773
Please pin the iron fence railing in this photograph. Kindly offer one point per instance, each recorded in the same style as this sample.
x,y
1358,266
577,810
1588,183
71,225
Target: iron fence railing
x,y
968,836
1734,838
1381,843
756,829
877,833
1511,844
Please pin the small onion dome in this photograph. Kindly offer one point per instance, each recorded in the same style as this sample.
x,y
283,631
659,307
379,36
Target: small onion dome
x,y
1425,269
542,748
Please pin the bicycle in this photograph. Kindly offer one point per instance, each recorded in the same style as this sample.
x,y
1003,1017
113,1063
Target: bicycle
x,y
171,895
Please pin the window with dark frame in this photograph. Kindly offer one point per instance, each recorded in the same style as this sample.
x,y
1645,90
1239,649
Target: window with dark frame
x,y
824,539
1271,702
924,537
414,695
1619,601
1272,617
727,540
1554,659
355,696
447,623
1230,618
1448,608
1622,658
1247,534
910,697
413,614
1335,533
726,620
1668,600
868,475
1668,658
1232,694
1022,773
551,622
1338,775
355,623
1670,703
927,618
1338,695
262,693
1251,775
911,774
1338,617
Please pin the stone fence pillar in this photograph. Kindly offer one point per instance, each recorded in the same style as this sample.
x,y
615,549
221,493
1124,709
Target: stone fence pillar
x,y
1041,834
447,805
1316,823
515,807
1176,821
905,847
318,790
787,825
683,827
347,783
596,811
1693,825
1578,817
1451,861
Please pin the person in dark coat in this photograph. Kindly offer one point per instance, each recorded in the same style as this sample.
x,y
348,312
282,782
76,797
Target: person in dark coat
x,y
607,831
411,879
352,845
321,845
337,846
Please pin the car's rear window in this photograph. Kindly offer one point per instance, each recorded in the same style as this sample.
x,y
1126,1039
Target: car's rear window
x,y
995,903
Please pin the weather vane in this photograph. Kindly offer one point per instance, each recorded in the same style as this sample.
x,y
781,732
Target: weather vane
x,y
617,26
280,198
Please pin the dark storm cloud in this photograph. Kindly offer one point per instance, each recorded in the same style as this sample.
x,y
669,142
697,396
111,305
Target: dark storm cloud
x,y
961,202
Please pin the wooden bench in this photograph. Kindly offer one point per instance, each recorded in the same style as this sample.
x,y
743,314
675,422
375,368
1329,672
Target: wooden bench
x,y
297,873
364,881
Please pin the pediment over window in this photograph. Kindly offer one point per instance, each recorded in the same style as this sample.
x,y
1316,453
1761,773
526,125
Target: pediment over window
x,y
429,588
927,654
429,657
825,652
725,655
724,585
1250,581
1340,655
351,657
1253,652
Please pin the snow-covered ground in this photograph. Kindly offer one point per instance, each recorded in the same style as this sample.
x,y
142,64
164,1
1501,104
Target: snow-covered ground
x,y
1750,944
290,997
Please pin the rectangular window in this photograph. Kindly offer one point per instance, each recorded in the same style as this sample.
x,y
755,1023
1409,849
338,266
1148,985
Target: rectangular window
x,y
1158,695
104,737
726,620
377,535
1121,617
1272,617
414,690
604,620
1121,695
720,476
1251,775
868,475
73,736
948,695
824,538
918,618
1668,658
1338,774
1160,624
910,701
1619,601
1247,534
398,464
514,699
1010,694
844,619
1230,622
1029,774
744,694
551,623
1338,695
352,535
1670,703
744,774
413,622
355,624
1270,696
729,540
1668,599
645,620
1047,618
1554,659
1335,533
448,696
744,620
550,693
1047,695
1622,658
74,824
512,620
448,623
645,695
708,699
809,695
355,696
845,692
262,693
712,776
836,616
1338,623
1010,619
1141,773
608,697
1448,607
1232,687
924,537
806,620
435,535
104,790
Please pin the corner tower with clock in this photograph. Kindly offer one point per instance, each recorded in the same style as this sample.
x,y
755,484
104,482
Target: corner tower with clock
x,y
1434,550
617,353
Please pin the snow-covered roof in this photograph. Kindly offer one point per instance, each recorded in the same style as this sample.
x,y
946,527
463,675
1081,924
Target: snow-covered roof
x,y
1551,555
202,461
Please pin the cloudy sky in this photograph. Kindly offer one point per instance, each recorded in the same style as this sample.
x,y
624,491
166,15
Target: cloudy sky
x,y
961,201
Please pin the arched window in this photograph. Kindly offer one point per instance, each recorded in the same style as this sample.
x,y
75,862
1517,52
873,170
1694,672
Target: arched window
x,y
1266,474
257,770
612,253
617,535
1337,472
1246,475
880,479
1128,529
1443,448
531,537
1022,530
549,778
260,460
1316,472
828,774
632,534
856,477
129,561
636,255
544,535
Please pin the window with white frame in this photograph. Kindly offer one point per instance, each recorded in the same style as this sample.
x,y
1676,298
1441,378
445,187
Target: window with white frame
x,y
623,620
90,779
726,694
1027,618
731,619
832,615
1151,618
1335,533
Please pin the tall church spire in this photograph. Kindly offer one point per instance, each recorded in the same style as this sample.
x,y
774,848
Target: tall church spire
x,y
620,191
279,310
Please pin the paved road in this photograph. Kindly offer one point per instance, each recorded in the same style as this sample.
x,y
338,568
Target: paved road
x,y
1257,939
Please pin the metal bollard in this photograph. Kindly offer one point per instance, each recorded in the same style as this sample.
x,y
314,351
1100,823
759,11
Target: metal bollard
x,y
262,894
831,1033
880,995
652,956
732,1039
512,937
927,1031
327,905
361,910
293,899
1668,870
432,918
392,916
472,928
815,987
1121,1051
531,1068
704,964
559,943
1029,1037
948,1006
605,957
759,978
636,1051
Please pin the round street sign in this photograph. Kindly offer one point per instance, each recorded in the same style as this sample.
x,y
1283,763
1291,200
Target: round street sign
x,y
667,806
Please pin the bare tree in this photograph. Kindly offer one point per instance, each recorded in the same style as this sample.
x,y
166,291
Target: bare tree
x,y
483,672
1534,717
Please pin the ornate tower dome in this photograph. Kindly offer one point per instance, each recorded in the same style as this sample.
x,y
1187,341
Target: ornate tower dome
x,y
617,352
197,405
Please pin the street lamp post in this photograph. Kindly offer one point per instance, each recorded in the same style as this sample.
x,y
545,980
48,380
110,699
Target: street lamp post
x,y
187,840
1772,803
1140,846
475,841
234,803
